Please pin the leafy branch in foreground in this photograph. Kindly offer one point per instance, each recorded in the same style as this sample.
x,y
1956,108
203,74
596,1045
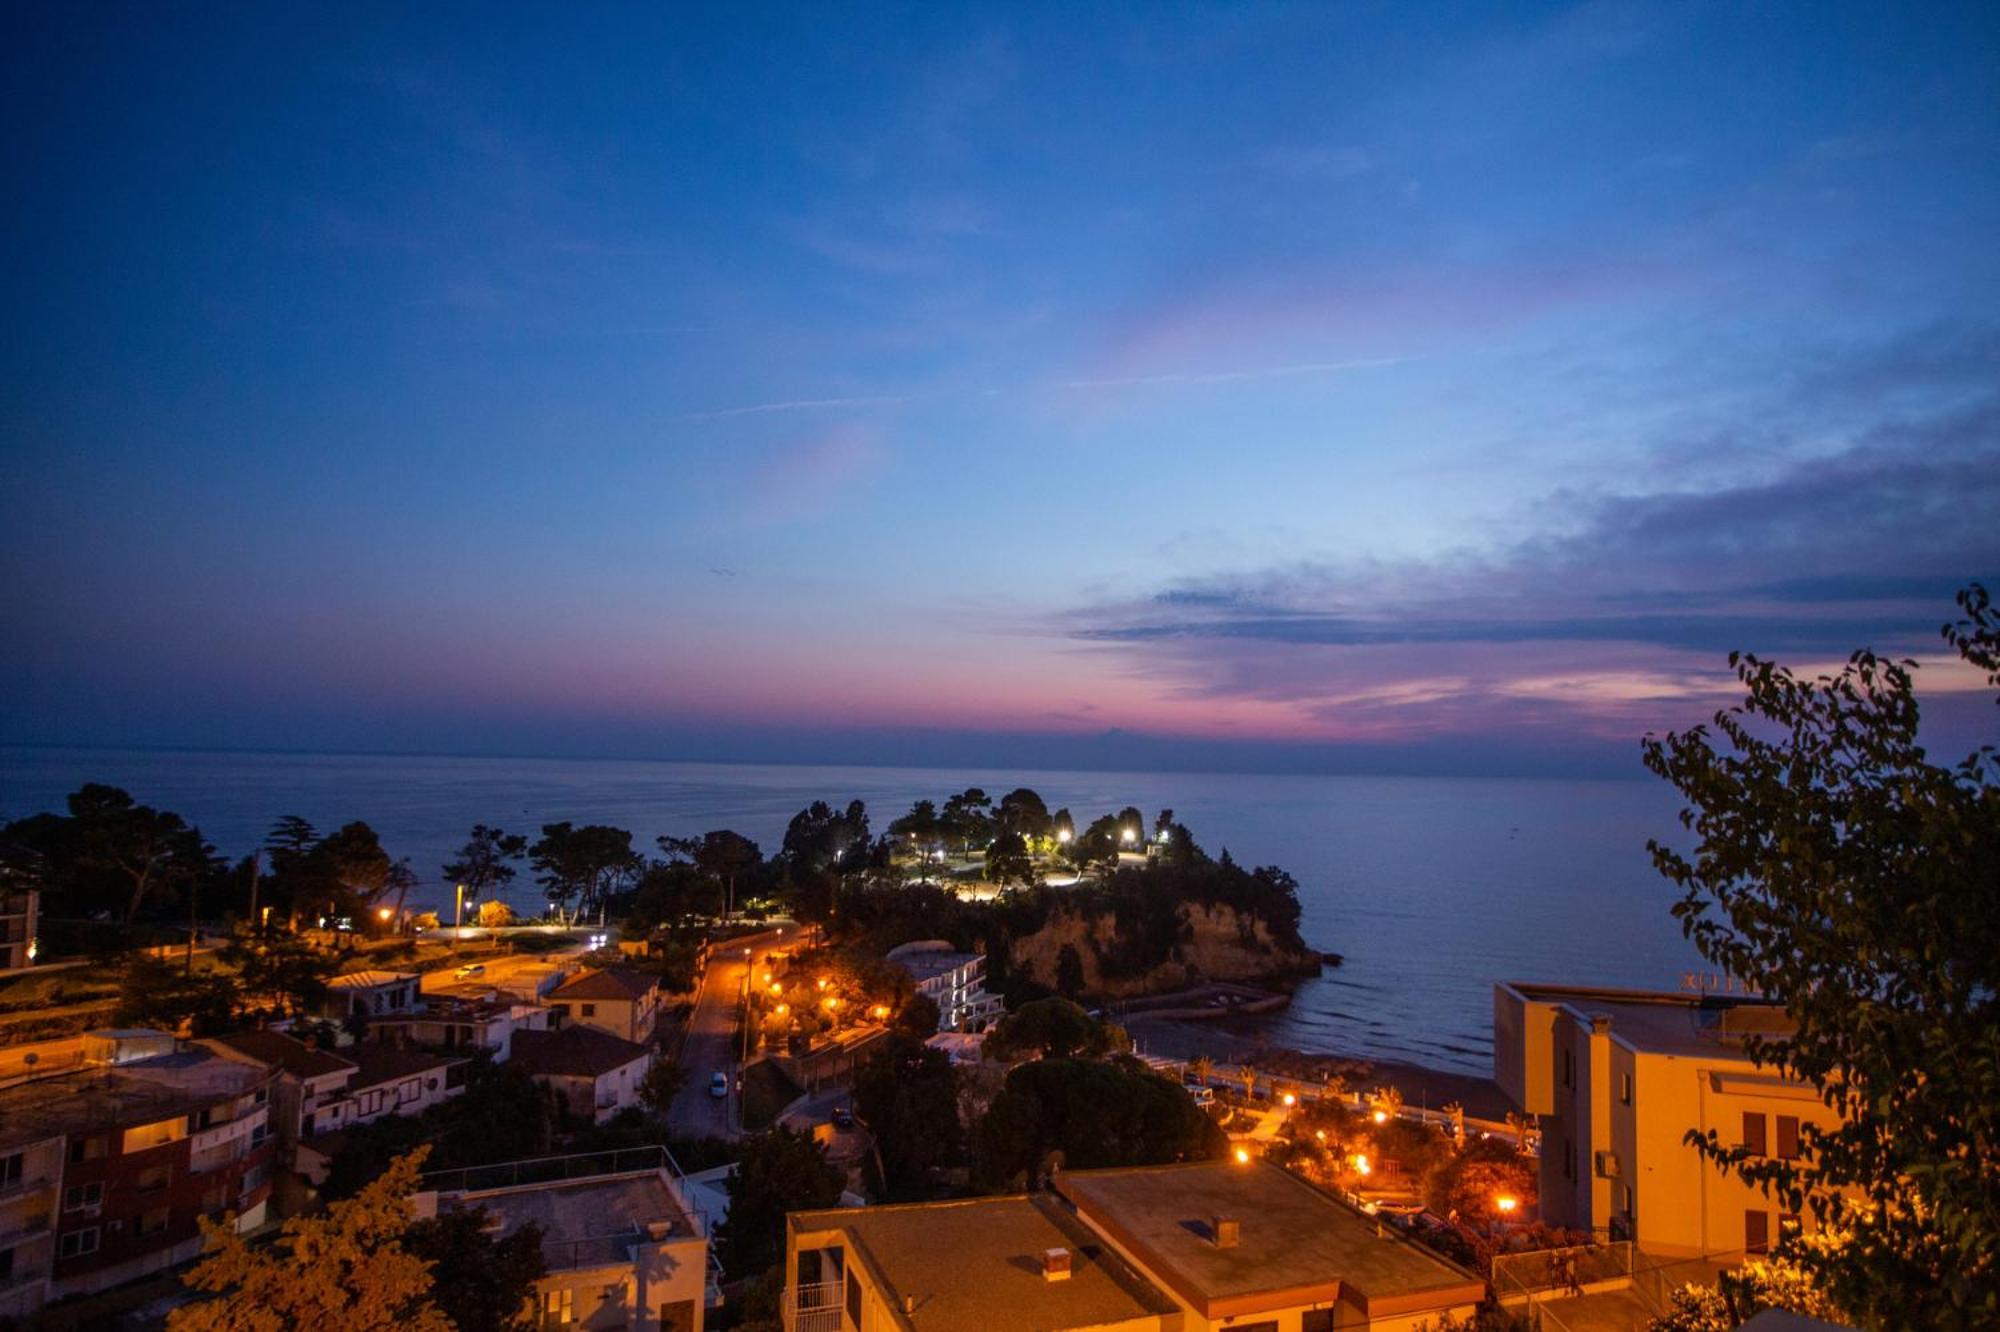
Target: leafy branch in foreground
x,y
1859,883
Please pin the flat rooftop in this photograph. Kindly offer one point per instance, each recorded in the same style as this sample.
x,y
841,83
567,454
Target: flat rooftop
x,y
143,1092
978,1263
586,1222
1667,1021
1296,1245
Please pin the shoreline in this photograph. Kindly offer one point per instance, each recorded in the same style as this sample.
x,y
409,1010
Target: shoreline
x,y
1422,1087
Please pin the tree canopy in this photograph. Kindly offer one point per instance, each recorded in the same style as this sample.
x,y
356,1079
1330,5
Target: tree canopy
x,y
1095,1114
781,1170
1859,883
484,862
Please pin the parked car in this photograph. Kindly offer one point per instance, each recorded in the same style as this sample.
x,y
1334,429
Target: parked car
x,y
843,1117
718,1085
470,969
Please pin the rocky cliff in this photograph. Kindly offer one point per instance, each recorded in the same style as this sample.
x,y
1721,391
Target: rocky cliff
x,y
1203,943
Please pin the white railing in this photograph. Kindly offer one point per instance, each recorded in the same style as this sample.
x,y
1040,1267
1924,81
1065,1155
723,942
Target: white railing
x,y
815,1307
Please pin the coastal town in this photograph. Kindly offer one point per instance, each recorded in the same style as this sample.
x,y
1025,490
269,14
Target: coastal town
x,y
906,1079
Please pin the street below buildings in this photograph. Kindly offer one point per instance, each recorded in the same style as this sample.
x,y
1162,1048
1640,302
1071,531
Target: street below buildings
x,y
712,1040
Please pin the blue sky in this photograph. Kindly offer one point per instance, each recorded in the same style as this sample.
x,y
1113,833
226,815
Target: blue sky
x,y
1348,387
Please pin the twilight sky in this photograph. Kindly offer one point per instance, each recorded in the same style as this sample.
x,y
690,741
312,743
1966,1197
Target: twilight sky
x,y
1365,387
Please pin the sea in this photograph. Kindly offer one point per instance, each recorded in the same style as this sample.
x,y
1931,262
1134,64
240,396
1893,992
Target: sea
x,y
1430,888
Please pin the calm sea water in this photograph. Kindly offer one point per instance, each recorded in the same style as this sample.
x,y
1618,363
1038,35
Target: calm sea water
x,y
1432,888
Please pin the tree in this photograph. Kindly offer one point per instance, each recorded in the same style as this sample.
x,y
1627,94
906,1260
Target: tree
x,y
919,830
480,1281
819,839
1471,1183
1023,813
1069,972
1007,860
495,915
907,1094
723,855
484,862
345,1271
1200,1067
166,996
1049,1029
918,1017
583,864
663,1081
1859,884
149,851
967,819
282,970
1094,1113
781,1170
356,870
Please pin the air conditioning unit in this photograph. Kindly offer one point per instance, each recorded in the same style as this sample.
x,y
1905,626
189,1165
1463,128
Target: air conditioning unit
x,y
1606,1164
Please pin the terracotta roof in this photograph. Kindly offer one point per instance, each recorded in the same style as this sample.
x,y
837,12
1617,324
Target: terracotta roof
x,y
610,983
574,1052
368,980
377,1064
281,1051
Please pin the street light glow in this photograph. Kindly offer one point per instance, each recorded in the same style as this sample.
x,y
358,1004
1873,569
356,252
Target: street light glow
x,y
1381,1116
1506,1204
1290,1099
385,913
1361,1166
1242,1156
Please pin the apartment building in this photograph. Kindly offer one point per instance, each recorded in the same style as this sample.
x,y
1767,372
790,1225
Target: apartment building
x,y
954,981
462,1019
30,1188
367,995
622,1245
1187,1248
20,911
597,1074
619,1001
153,1137
1617,1078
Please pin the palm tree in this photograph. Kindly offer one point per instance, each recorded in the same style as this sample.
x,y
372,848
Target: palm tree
x,y
1387,1103
1249,1076
1200,1067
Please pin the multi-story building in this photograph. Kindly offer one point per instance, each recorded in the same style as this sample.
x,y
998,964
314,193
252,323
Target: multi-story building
x,y
619,1001
30,1187
598,1075
367,995
1618,1078
955,981
1188,1248
623,1247
20,910
462,1020
154,1136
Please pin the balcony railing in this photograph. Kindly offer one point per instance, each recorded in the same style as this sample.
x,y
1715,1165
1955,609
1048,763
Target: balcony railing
x,y
815,1307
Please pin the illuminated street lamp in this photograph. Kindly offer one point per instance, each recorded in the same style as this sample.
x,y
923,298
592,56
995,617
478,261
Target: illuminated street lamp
x,y
1505,1203
777,988
1361,1166
781,1010
1290,1100
1381,1116
1320,1134
822,982
1242,1156
1062,835
1128,836
879,1012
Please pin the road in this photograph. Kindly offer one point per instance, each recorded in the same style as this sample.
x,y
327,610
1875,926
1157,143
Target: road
x,y
712,1039
499,967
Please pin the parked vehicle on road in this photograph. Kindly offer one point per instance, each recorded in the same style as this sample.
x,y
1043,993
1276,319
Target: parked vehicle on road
x,y
470,969
718,1085
843,1117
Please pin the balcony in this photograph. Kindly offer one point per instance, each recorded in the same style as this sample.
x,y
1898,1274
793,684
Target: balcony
x,y
815,1307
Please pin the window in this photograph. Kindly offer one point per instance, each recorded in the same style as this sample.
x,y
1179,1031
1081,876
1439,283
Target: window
x,y
201,1119
1624,1089
1788,1136
79,1196
150,1223
6,1267
558,1308
76,1243
1756,1232
263,1095
590,1010
11,1169
154,1178
1754,1140
413,1090
86,1149
1316,1320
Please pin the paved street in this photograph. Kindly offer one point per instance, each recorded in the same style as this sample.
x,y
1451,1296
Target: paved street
x,y
498,968
712,1040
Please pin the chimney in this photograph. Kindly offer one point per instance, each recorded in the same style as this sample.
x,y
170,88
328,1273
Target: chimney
x,y
1055,1264
1227,1230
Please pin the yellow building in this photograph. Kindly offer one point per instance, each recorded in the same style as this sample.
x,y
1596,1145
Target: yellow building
x,y
1189,1248
1617,1078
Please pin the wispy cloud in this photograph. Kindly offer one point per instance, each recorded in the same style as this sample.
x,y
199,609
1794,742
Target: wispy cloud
x,y
1237,376
792,405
